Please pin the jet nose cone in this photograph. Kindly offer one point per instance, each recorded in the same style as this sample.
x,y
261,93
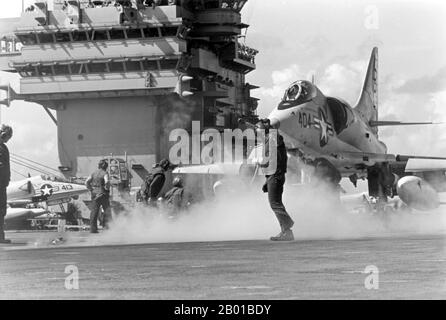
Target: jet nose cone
x,y
278,116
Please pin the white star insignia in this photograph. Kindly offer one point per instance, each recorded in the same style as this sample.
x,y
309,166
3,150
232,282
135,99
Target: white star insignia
x,y
46,190
326,128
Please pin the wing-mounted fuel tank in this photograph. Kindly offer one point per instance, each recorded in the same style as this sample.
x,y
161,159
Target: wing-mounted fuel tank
x,y
422,181
417,193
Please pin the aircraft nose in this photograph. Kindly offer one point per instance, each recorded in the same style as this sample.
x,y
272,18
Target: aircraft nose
x,y
275,122
281,116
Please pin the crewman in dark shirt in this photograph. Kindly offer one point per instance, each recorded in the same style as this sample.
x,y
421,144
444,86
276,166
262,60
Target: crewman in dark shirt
x,y
275,181
5,177
154,182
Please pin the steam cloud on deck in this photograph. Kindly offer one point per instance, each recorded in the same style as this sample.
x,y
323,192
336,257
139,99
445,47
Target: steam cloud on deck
x,y
247,216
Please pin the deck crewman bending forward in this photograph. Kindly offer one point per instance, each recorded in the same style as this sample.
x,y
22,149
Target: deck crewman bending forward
x,y
99,185
154,183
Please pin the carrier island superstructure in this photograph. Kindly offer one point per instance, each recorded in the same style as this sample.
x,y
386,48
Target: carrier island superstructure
x,y
121,74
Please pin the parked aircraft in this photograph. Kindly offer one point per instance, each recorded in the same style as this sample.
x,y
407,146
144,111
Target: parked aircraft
x,y
49,190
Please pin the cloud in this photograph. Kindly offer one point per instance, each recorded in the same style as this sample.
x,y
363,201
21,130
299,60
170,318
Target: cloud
x,y
426,84
34,137
281,79
337,79
418,99
344,80
426,140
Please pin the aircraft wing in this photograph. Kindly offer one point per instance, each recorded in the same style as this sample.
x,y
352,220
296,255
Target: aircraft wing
x,y
423,165
344,159
19,202
22,213
411,163
216,168
363,157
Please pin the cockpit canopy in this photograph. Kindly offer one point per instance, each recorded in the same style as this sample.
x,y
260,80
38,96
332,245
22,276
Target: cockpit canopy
x,y
297,93
53,178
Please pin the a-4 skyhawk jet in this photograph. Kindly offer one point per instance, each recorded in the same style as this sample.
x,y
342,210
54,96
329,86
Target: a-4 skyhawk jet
x,y
316,127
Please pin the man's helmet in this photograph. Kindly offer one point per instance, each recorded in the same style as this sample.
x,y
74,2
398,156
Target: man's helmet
x,y
177,182
103,164
5,131
263,124
165,164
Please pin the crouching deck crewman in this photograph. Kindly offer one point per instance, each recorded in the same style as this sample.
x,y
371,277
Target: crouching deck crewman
x,y
175,199
99,185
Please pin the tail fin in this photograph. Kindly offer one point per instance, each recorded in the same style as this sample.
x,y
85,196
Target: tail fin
x,y
367,105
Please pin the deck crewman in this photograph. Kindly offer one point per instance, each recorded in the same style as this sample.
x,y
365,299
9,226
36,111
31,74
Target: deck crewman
x,y
275,172
5,177
154,182
175,199
99,185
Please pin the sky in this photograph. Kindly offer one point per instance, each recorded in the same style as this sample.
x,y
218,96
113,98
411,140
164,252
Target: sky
x,y
333,40
330,39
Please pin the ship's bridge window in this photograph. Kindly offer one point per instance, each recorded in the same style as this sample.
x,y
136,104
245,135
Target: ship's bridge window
x,y
150,65
46,38
134,33
79,36
99,35
75,68
169,64
83,68
299,92
27,71
97,67
45,70
133,66
27,39
169,31
116,67
117,34
62,37
61,69
151,32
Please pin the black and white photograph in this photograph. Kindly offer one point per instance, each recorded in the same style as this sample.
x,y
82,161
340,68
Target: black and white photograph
x,y
222,155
